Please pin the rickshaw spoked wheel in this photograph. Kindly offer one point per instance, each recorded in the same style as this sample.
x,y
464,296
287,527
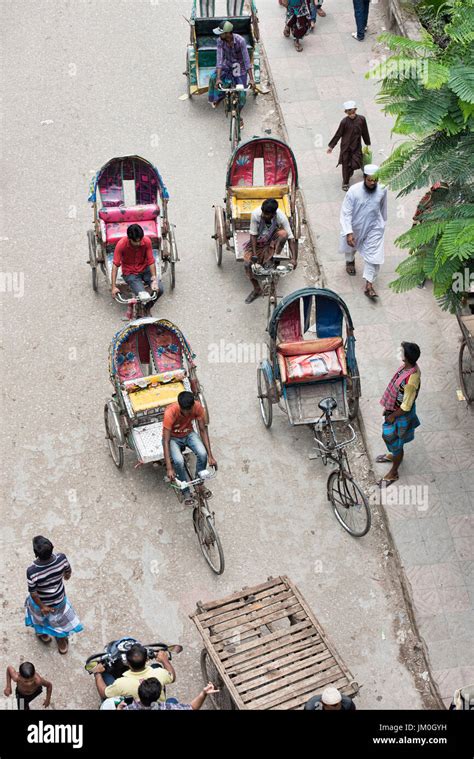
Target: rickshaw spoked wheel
x,y
264,397
221,700
466,372
93,257
219,232
116,450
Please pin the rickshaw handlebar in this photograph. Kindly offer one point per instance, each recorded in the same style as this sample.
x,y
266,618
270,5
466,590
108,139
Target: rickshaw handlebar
x,y
237,88
206,474
126,301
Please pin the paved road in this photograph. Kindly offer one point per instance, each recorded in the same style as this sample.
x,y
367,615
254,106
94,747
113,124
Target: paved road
x,y
95,84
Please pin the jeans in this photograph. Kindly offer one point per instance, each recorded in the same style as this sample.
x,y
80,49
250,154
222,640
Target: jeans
x,y
314,7
136,282
177,446
361,13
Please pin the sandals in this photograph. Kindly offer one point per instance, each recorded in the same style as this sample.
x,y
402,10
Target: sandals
x,y
384,458
298,46
63,645
370,292
345,187
189,500
44,638
286,31
321,13
385,482
253,295
206,494
350,268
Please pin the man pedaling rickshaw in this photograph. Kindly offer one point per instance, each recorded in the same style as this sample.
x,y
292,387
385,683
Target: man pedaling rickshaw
x,y
134,254
233,65
269,231
178,434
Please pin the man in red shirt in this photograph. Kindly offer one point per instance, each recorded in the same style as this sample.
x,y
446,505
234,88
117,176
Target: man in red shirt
x,y
135,255
178,433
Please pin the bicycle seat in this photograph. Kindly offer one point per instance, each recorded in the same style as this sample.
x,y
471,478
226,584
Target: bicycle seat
x,y
327,405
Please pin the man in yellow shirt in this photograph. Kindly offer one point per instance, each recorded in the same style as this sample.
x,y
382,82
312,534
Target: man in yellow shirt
x,y
127,685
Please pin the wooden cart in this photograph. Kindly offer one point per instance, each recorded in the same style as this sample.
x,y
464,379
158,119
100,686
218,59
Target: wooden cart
x,y
264,649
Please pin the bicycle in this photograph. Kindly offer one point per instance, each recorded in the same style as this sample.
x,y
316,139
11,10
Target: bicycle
x,y
347,499
269,275
203,518
232,106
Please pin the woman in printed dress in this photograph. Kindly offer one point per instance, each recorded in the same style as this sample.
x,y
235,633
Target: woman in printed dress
x,y
298,21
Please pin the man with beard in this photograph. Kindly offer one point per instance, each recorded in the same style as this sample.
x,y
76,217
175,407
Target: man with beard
x,y
351,131
363,217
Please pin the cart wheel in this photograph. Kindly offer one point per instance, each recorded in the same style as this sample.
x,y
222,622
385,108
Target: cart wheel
x,y
116,450
93,257
349,504
209,540
221,700
219,232
264,397
466,372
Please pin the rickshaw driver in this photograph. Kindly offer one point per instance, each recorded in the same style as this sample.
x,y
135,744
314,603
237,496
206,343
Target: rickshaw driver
x,y
233,65
269,231
178,433
134,254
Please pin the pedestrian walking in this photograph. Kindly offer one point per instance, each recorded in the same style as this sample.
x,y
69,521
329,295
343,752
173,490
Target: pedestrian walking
x,y
47,607
29,685
361,13
316,10
298,21
363,217
399,410
351,131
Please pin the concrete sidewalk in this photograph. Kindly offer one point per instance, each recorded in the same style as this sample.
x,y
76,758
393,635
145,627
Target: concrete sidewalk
x,y
432,522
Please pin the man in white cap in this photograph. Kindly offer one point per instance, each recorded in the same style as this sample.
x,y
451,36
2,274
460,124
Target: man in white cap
x,y
233,64
351,131
330,700
363,217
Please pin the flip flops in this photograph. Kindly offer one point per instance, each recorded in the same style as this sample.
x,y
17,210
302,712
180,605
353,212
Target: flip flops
x,y
253,295
370,293
386,482
350,268
63,645
384,459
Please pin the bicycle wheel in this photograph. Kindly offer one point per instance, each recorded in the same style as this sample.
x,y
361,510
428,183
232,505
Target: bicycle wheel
x,y
234,138
266,408
349,504
466,372
111,434
210,674
209,541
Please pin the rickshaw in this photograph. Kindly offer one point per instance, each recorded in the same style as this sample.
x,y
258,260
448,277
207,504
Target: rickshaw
x,y
202,49
263,167
125,191
312,374
265,649
150,363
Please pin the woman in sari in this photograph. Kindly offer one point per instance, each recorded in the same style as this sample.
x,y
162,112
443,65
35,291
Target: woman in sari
x,y
399,406
298,21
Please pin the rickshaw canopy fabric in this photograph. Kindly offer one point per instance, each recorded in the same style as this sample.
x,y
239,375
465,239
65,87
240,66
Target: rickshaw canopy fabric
x,y
279,164
149,185
207,8
141,330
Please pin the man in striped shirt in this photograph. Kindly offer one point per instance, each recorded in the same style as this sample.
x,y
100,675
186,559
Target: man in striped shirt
x,y
47,608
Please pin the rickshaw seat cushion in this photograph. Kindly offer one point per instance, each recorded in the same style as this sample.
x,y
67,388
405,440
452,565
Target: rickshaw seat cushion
x,y
245,200
156,396
130,214
314,366
302,347
115,231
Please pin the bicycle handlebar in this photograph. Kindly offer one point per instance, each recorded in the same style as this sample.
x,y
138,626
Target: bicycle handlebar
x,y
236,88
206,474
126,301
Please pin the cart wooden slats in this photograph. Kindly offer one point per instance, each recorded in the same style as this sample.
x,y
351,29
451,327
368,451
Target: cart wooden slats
x,y
264,649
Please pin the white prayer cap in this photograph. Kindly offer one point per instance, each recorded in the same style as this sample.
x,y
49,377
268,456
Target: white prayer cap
x,y
331,696
370,169
349,105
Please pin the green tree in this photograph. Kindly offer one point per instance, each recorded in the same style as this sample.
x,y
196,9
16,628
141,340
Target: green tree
x,y
427,85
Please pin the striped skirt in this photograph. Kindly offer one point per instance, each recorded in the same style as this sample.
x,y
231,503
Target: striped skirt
x,y
60,623
402,430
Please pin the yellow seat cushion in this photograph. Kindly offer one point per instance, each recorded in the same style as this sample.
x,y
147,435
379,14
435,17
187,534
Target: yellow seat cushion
x,y
244,200
154,397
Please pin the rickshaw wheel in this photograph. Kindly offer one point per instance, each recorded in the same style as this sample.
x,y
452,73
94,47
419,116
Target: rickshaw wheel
x,y
466,372
349,504
95,280
221,700
116,451
264,397
172,271
219,232
93,257
353,407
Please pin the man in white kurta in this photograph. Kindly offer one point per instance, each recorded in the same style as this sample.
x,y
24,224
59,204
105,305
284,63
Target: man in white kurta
x,y
363,217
